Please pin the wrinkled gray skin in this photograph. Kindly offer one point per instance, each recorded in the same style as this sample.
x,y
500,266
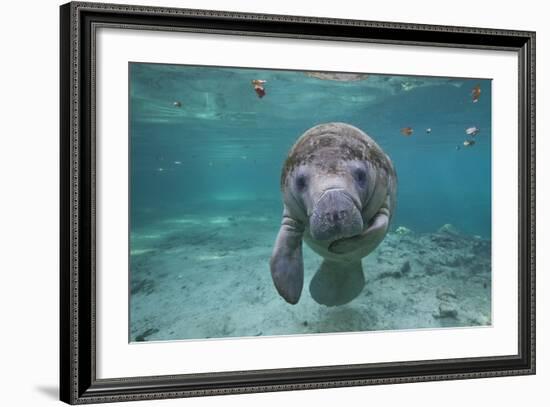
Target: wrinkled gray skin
x,y
339,193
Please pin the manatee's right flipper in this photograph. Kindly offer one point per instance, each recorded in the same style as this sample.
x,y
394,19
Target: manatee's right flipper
x,y
337,283
287,265
366,241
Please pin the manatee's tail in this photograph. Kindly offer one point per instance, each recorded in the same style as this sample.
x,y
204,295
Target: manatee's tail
x,y
337,283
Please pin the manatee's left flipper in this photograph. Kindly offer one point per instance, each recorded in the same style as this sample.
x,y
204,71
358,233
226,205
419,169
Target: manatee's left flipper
x,y
286,264
366,241
337,283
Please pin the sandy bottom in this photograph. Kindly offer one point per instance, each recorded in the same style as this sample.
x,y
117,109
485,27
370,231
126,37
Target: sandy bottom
x,y
204,275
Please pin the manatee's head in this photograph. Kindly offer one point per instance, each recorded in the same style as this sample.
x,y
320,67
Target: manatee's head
x,y
332,203
328,177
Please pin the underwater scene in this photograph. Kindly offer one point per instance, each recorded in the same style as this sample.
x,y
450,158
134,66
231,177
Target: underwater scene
x,y
277,202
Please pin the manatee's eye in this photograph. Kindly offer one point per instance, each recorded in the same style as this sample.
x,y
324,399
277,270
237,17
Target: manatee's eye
x,y
360,176
301,182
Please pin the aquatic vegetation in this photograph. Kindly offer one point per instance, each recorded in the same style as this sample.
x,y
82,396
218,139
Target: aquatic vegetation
x,y
259,87
476,93
407,131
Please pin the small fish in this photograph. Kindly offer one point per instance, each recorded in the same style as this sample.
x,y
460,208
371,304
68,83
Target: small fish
x,y
177,103
243,157
457,148
210,164
259,88
428,130
407,131
469,143
160,169
472,131
476,92
177,162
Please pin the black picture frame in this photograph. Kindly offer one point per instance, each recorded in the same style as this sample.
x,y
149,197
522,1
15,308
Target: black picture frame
x,y
78,381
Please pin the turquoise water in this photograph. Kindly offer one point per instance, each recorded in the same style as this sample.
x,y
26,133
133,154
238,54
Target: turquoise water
x,y
206,154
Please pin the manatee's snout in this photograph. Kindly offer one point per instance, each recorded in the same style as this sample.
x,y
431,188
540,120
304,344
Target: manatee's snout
x,y
335,216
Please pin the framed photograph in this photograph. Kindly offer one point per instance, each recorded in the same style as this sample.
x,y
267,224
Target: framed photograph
x,y
255,203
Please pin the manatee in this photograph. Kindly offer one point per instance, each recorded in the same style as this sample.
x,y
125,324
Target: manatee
x,y
339,194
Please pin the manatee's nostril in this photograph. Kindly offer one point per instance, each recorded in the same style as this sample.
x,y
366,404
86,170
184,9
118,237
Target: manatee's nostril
x,y
336,216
